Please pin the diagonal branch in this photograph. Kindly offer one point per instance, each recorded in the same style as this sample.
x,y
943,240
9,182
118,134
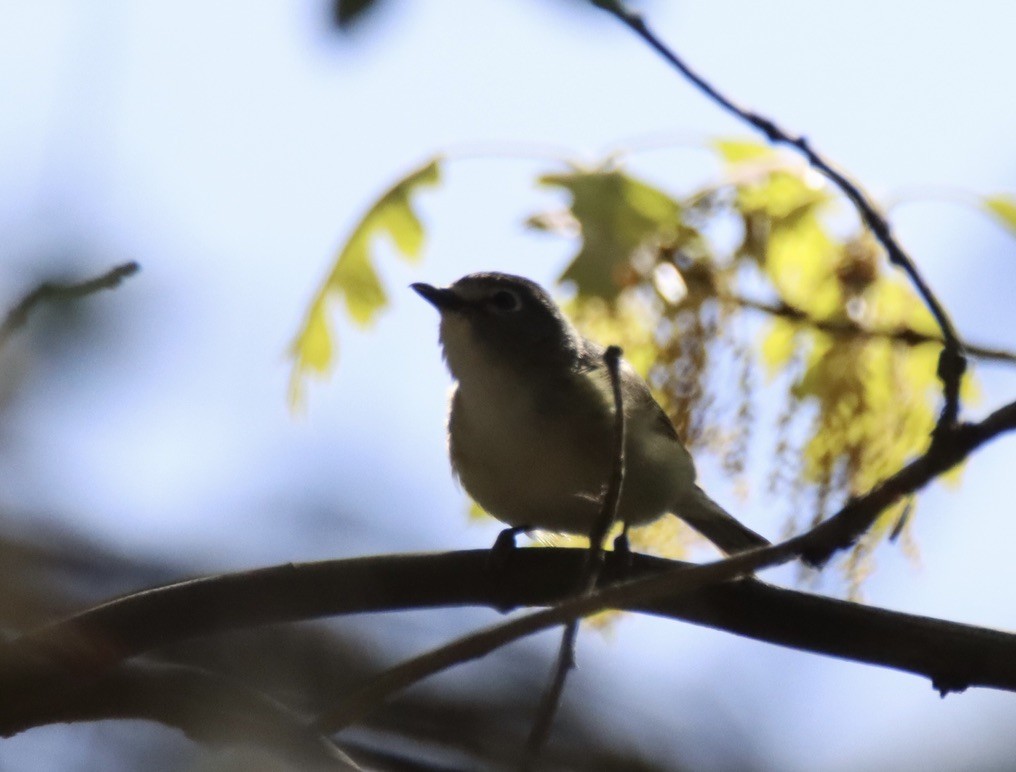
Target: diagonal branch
x,y
52,291
815,546
952,362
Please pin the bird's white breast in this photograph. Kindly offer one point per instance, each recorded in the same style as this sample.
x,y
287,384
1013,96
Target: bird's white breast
x,y
536,448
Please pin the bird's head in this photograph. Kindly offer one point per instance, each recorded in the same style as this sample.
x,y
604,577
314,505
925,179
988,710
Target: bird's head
x,y
500,318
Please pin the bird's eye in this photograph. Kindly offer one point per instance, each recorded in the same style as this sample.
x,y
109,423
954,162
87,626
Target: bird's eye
x,y
503,300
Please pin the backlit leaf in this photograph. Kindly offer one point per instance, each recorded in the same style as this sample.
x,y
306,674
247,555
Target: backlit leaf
x,y
736,151
617,214
778,345
353,278
1003,208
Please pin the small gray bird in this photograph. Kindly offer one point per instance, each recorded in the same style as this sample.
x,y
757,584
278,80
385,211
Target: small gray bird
x,y
531,424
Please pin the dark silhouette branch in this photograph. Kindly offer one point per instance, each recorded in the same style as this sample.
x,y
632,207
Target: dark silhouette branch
x,y
207,707
845,328
551,698
78,651
52,291
952,362
859,514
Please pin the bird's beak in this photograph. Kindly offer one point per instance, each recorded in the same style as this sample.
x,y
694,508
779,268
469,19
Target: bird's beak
x,y
442,298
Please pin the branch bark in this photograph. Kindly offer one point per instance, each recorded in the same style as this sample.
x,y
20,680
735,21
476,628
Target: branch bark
x,y
79,651
71,654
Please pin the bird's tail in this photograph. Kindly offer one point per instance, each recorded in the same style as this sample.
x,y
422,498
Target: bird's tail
x,y
716,524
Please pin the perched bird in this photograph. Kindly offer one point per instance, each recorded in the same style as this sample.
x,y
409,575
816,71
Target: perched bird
x,y
531,423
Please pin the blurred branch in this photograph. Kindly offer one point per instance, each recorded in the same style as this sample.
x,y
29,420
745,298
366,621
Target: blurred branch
x,y
903,335
52,291
207,707
348,14
952,362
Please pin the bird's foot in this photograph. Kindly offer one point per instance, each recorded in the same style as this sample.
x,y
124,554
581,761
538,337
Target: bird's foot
x,y
504,546
623,556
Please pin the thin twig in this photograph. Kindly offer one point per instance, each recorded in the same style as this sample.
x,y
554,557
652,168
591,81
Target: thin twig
x,y
952,362
479,644
52,291
608,512
906,336
551,698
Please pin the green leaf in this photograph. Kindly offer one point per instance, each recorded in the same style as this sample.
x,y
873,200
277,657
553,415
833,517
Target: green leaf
x,y
617,215
800,261
353,278
782,195
1003,208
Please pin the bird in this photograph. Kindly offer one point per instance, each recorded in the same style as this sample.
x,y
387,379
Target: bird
x,y
530,425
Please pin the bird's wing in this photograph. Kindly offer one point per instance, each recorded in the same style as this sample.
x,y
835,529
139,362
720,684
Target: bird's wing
x,y
591,361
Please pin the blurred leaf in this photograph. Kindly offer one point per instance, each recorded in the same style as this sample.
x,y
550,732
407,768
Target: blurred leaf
x,y
782,195
354,279
1003,208
736,151
617,215
800,262
778,345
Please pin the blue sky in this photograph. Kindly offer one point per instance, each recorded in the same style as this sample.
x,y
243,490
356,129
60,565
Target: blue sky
x,y
230,147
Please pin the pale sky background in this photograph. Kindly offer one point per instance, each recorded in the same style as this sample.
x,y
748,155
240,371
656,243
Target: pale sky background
x,y
229,147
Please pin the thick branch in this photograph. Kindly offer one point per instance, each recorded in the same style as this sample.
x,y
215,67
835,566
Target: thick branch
x,y
84,647
952,655
952,362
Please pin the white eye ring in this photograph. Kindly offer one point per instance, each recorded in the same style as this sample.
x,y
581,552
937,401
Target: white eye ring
x,y
505,300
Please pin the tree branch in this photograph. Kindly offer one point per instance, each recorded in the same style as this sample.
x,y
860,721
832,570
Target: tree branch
x,y
858,515
952,362
79,649
205,706
69,654
591,571
816,544
953,655
51,291
906,336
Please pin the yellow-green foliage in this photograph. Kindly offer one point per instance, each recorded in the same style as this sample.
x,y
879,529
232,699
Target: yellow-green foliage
x,y
795,303
354,279
824,309
1002,208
